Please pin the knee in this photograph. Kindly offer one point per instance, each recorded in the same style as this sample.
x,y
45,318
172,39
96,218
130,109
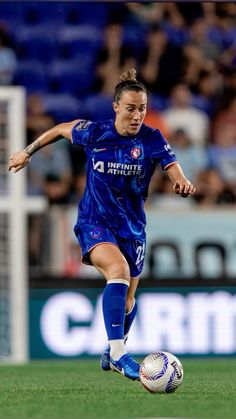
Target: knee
x,y
119,270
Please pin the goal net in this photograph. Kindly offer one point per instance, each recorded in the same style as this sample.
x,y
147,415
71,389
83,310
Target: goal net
x,y
14,207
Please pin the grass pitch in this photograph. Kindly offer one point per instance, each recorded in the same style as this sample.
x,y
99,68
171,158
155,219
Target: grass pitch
x,y
79,389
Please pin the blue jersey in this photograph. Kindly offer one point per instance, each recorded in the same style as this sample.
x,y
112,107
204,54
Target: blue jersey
x,y
119,170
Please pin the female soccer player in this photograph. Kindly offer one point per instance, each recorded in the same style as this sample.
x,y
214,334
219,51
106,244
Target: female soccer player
x,y
121,157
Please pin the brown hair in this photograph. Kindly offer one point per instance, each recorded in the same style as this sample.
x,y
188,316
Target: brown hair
x,y
128,81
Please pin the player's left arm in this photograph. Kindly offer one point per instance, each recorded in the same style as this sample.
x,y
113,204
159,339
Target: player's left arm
x,y
181,185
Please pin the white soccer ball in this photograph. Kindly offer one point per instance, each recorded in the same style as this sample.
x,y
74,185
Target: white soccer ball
x,y
161,372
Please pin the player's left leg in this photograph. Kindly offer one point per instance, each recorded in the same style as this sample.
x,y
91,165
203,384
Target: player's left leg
x,y
131,306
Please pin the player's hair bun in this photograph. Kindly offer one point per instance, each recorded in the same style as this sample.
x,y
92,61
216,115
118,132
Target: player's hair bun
x,y
129,75
128,81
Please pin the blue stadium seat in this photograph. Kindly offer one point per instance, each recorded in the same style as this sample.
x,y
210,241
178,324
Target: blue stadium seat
x,y
99,106
80,39
40,12
33,76
36,43
11,13
26,32
44,50
74,76
76,12
64,107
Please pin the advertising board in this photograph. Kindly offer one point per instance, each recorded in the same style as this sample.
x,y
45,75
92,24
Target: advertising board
x,y
188,321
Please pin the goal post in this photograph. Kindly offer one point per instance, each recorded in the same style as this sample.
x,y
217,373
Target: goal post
x,y
14,206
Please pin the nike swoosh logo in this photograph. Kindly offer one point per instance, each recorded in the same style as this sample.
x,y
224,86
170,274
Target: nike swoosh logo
x,y
99,149
115,325
121,370
117,369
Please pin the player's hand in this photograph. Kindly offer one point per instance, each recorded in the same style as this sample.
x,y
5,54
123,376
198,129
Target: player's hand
x,y
18,160
184,188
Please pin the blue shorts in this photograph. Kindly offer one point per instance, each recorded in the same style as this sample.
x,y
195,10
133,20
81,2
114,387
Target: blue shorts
x,y
90,236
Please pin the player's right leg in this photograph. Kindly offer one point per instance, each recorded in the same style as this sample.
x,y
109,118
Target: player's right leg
x,y
134,252
108,260
131,311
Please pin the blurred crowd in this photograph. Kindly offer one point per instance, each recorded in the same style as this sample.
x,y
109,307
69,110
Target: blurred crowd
x,y
184,53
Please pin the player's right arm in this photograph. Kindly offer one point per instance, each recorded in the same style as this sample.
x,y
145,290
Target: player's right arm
x,y
21,158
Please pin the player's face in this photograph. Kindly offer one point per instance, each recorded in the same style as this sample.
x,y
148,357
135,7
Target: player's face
x,y
130,112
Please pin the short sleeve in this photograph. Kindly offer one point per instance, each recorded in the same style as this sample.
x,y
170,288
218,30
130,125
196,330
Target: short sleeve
x,y
81,133
161,151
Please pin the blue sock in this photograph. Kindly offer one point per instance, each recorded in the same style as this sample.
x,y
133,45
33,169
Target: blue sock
x,y
129,318
113,305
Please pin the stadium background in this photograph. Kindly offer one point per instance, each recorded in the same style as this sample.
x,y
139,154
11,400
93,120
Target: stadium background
x,y
68,56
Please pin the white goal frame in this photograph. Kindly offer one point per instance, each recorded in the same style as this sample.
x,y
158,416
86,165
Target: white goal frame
x,y
17,205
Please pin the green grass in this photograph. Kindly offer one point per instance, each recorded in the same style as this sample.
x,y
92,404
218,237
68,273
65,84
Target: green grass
x,y
78,389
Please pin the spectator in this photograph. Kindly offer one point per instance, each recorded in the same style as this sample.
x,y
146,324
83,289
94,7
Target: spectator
x,y
192,11
174,17
222,153
160,66
225,93
191,157
162,196
223,32
194,63
199,38
228,57
208,87
159,192
37,119
182,115
56,188
146,14
212,190
8,61
113,58
49,173
174,25
227,115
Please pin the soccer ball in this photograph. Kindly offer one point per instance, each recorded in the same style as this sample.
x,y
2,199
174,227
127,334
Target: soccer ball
x,y
161,372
